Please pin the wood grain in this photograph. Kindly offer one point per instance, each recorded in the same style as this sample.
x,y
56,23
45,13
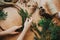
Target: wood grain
x,y
14,19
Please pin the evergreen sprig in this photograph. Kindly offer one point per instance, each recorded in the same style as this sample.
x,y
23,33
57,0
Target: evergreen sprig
x,y
24,15
2,15
54,29
50,30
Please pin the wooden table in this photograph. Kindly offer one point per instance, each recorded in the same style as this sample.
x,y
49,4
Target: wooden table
x,y
14,19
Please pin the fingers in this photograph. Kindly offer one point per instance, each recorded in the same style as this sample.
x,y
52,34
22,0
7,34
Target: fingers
x,y
28,22
12,29
17,27
29,19
14,33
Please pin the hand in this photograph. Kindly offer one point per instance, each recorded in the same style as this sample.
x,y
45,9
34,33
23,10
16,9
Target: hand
x,y
26,27
28,22
12,30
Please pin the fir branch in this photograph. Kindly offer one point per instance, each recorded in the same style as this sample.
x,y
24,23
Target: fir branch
x,y
54,29
49,31
2,15
24,15
44,23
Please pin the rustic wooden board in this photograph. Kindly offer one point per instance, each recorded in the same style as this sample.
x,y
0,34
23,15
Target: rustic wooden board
x,y
14,19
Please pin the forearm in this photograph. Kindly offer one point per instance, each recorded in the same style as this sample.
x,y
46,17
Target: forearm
x,y
10,31
21,36
26,27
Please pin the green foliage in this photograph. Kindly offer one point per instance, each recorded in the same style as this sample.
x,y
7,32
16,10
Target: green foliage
x,y
2,15
49,31
35,29
44,23
54,29
23,14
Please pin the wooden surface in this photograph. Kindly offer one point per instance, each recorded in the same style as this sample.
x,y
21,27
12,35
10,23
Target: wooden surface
x,y
14,19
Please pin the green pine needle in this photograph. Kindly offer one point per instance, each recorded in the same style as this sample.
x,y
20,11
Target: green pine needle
x,y
49,28
49,31
24,15
2,15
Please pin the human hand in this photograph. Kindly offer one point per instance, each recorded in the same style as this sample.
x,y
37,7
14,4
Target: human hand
x,y
12,30
28,22
26,27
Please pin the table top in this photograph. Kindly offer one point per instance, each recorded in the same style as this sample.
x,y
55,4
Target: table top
x,y
14,19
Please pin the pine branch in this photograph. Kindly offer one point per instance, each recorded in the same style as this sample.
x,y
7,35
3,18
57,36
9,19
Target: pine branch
x,y
2,15
24,15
